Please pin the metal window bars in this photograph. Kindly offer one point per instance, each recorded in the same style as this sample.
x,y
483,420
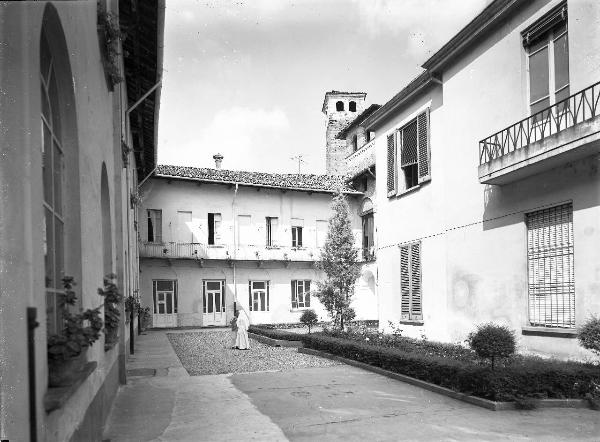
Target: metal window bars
x,y
577,108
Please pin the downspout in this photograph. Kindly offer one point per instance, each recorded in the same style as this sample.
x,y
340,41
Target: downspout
x,y
235,297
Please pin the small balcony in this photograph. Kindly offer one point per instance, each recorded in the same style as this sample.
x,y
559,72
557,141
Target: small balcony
x,y
565,132
361,160
197,251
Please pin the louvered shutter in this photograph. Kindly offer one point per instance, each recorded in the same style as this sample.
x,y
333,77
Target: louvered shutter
x,y
551,271
391,165
307,293
405,282
416,310
175,297
423,148
294,295
267,296
250,303
204,296
409,152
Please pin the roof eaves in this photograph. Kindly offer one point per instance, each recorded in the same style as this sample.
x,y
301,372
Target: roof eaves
x,y
471,33
241,183
420,83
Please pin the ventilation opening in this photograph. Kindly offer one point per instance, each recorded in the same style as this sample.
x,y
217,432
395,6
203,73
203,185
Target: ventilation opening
x,y
339,106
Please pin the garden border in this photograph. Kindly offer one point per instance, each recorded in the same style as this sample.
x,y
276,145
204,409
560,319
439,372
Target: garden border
x,y
275,342
480,402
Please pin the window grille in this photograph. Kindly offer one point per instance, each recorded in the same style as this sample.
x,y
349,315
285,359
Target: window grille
x,y
410,282
550,267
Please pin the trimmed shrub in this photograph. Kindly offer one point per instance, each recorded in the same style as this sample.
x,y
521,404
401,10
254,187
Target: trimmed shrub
x,y
589,334
492,341
309,318
275,334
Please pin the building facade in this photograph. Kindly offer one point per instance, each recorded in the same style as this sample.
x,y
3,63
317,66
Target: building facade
x,y
212,240
490,205
71,160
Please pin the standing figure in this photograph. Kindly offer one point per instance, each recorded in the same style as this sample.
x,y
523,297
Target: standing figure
x,y
234,328
243,321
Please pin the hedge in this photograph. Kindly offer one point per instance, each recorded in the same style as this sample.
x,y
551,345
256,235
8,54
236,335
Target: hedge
x,y
522,376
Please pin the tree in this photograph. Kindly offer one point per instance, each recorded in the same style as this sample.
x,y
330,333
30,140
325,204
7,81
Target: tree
x,y
309,318
339,262
589,334
492,341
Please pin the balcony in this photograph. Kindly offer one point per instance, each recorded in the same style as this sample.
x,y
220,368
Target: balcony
x,y
567,131
361,160
197,251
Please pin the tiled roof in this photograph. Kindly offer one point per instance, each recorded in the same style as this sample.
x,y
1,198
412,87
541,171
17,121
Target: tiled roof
x,y
356,122
292,181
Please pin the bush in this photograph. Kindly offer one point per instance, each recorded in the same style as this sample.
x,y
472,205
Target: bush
x,y
589,334
524,377
309,318
275,334
492,341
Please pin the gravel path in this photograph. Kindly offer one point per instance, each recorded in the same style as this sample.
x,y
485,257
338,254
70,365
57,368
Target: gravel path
x,y
210,353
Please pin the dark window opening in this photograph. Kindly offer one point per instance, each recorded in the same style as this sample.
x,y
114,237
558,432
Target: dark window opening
x,y
411,175
352,106
368,242
355,143
211,228
339,106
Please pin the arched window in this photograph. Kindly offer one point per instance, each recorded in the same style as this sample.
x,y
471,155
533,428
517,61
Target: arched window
x,y
339,106
352,106
52,169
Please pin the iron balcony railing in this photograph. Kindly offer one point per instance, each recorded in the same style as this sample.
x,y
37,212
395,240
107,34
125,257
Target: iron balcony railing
x,y
240,252
579,107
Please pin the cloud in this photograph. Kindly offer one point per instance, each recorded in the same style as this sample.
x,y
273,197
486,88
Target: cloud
x,y
426,24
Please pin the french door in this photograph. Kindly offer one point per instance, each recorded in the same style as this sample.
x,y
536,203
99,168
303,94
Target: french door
x,y
213,302
165,303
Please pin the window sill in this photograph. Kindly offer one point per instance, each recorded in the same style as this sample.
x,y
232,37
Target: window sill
x,y
569,333
56,397
299,309
215,246
272,247
409,322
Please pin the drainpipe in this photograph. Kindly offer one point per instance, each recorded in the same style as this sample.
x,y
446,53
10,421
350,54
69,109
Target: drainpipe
x,y
235,297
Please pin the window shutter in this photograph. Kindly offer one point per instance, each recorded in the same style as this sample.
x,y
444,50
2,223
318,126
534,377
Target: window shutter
x,y
267,295
416,308
405,282
250,303
391,165
154,297
175,297
294,295
204,296
424,149
307,293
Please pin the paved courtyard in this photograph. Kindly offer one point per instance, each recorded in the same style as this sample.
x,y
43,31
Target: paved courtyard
x,y
301,399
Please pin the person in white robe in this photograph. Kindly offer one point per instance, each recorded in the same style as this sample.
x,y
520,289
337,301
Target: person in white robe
x,y
243,322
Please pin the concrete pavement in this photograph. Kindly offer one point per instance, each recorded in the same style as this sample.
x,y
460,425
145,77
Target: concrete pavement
x,y
331,403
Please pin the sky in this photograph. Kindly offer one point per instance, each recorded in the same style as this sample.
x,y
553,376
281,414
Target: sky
x,y
247,78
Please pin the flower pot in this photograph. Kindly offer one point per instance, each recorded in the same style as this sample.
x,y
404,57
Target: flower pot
x,y
63,373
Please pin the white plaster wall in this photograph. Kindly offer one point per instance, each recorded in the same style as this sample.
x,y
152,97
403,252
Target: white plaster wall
x,y
473,236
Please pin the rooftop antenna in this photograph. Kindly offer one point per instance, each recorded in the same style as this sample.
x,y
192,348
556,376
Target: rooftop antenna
x,y
300,159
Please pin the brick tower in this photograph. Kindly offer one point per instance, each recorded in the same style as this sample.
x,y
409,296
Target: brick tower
x,y
340,108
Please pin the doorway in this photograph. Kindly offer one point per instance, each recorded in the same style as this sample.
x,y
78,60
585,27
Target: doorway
x,y
213,302
165,303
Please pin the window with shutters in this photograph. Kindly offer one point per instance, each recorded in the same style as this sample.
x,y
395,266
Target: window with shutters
x,y
258,296
300,294
547,46
551,272
214,228
154,225
410,282
411,145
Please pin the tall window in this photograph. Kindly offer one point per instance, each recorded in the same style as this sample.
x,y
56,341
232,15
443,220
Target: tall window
x,y
551,271
297,226
300,293
154,225
352,106
547,46
410,282
368,242
271,227
53,182
411,144
354,143
258,296
164,297
214,228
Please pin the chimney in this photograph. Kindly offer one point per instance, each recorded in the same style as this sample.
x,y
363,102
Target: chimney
x,y
218,160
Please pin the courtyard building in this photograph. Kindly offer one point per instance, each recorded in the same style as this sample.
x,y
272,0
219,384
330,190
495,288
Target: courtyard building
x,y
488,206
79,113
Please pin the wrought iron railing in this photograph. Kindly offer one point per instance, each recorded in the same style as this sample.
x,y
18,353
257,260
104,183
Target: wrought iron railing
x,y
172,250
579,107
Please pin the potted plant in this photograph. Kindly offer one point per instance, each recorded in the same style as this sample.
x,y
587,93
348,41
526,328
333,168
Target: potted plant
x,y
112,312
67,349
